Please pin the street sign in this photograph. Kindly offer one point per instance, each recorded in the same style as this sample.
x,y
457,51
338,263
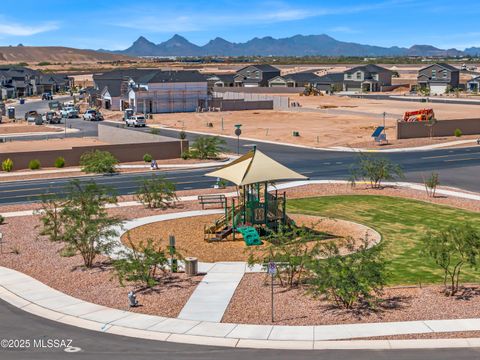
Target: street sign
x,y
272,268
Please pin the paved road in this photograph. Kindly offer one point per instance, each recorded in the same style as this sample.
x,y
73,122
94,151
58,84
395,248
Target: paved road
x,y
17,324
456,167
38,105
446,100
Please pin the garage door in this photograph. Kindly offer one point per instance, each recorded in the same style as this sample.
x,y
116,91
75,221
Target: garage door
x,y
438,89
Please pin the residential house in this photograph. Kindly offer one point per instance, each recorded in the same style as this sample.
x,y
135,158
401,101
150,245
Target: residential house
x,y
255,75
53,83
473,85
438,78
300,79
330,83
366,78
220,80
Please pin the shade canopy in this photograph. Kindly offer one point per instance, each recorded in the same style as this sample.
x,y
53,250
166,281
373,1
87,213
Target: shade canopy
x,y
255,167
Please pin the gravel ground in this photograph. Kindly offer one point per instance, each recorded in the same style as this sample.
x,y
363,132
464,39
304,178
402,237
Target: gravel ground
x,y
41,259
251,304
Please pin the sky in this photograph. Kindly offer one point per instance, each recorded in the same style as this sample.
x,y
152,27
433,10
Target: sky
x,y
114,25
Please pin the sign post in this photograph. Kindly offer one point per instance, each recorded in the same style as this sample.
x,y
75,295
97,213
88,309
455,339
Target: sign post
x,y
272,270
238,132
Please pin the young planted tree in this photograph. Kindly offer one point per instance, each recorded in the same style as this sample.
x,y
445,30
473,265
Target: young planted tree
x,y
87,227
156,192
141,263
349,279
451,249
375,169
431,183
98,162
206,147
51,218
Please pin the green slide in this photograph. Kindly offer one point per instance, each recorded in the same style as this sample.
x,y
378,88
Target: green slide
x,y
250,235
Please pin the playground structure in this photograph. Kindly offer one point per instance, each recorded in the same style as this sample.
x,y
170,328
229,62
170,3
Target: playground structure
x,y
256,210
419,115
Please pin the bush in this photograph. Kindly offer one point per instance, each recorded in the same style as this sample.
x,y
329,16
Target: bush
x,y
458,133
147,158
375,170
206,147
59,162
350,279
7,165
451,249
140,264
182,135
431,184
34,165
2,219
99,162
156,192
44,63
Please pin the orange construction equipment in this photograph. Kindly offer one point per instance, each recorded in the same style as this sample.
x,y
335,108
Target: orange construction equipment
x,y
419,115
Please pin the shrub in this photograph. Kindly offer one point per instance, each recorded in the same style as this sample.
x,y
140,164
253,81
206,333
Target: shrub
x,y
431,184
147,158
34,164
99,162
375,170
140,264
44,63
50,218
59,162
458,133
350,279
182,135
451,249
206,147
156,192
7,165
2,219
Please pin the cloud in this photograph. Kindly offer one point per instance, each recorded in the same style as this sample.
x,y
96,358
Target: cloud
x,y
15,29
343,29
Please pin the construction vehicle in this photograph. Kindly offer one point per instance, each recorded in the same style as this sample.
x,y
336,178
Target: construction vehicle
x,y
311,90
419,115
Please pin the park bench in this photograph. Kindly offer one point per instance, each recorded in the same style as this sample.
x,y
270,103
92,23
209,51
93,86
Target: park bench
x,y
212,199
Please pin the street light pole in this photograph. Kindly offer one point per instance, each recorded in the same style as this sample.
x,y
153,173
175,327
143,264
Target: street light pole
x,y
238,132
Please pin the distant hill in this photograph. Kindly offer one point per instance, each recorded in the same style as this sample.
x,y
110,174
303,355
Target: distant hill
x,y
17,54
298,45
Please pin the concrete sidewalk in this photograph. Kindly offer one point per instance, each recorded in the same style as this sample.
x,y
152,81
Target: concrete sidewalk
x,y
34,297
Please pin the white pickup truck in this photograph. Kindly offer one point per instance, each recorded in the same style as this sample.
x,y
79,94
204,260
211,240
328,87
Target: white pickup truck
x,y
69,112
136,120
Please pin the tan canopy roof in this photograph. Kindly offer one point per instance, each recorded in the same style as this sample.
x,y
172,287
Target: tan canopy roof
x,y
255,167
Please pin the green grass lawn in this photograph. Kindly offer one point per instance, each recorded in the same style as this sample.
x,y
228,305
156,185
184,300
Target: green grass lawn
x,y
402,223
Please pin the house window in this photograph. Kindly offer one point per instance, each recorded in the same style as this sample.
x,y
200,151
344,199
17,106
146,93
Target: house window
x,y
445,74
434,74
349,76
359,75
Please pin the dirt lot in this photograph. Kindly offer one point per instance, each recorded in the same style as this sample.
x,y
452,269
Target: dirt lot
x,y
51,144
17,128
322,121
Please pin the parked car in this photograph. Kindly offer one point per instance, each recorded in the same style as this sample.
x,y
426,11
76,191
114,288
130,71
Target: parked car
x,y
51,117
47,96
136,120
69,112
92,115
54,105
31,115
70,103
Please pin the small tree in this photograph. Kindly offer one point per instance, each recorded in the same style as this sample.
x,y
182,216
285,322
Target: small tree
x,y
156,192
206,147
51,218
431,126
349,279
375,170
431,184
7,165
182,135
147,158
140,264
87,227
99,162
291,250
451,249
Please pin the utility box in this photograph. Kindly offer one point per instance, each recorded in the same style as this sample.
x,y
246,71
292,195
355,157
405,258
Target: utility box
x,y
191,266
11,112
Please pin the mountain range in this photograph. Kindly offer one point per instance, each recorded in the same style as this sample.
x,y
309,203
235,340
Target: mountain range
x,y
298,45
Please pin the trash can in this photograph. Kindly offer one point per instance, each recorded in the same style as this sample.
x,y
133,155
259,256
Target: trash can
x,y
38,120
191,266
22,101
11,112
